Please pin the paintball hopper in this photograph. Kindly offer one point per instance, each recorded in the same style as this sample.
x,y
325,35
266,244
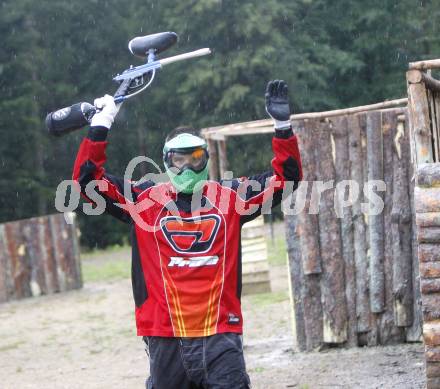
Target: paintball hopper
x,y
141,45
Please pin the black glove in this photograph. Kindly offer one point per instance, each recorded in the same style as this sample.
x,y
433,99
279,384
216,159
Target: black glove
x,y
277,103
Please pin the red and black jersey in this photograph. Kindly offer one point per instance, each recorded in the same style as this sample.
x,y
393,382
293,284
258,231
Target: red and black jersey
x,y
186,262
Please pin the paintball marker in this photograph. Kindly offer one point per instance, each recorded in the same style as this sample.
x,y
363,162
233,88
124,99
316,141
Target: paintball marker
x,y
131,81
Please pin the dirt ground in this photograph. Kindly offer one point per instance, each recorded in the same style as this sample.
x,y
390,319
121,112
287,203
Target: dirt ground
x,y
86,339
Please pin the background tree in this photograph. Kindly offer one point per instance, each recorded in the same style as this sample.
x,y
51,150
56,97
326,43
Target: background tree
x,y
333,54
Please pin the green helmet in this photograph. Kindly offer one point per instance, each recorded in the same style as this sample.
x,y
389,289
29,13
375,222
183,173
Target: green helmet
x,y
185,158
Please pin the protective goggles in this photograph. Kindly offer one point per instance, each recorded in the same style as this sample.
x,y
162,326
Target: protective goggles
x,y
194,159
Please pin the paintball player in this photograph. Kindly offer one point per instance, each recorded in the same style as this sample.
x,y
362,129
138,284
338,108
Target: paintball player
x,y
186,254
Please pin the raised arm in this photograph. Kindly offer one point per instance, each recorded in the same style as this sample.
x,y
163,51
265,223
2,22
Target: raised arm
x,y
265,190
91,157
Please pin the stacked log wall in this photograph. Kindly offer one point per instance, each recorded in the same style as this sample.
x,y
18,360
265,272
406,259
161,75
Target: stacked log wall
x,y
38,256
353,276
427,207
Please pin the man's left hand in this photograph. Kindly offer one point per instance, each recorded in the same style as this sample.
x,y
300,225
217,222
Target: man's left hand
x,y
277,103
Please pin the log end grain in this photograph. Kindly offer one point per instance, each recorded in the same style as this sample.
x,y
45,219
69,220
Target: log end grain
x,y
428,175
431,333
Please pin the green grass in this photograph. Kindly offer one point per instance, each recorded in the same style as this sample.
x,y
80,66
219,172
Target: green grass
x,y
266,299
100,253
114,269
276,251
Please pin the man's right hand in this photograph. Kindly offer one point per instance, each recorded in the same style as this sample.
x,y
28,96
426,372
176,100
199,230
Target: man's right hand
x,y
106,112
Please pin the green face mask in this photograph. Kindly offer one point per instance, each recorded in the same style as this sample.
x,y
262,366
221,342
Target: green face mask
x,y
188,181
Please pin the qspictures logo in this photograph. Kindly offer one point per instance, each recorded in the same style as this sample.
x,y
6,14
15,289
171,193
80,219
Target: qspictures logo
x,y
305,196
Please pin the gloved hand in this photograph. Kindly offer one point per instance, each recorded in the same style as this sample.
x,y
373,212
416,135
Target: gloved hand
x,y
277,104
106,112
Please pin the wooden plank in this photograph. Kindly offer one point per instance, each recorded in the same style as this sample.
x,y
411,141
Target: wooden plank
x,y
7,291
254,258
237,128
401,232
258,222
428,175
266,125
433,113
30,239
306,291
59,255
351,111
259,127
295,281
308,228
313,313
389,333
376,222
332,280
253,241
250,267
252,248
433,369
73,279
431,333
340,133
429,252
50,264
256,277
433,383
252,232
431,307
409,121
428,219
430,285
429,235
357,173
425,65
223,158
372,336
430,269
427,199
213,160
256,287
437,126
432,353
414,332
35,253
416,76
420,122
76,251
20,267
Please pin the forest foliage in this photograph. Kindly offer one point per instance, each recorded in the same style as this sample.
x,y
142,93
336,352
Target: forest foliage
x,y
333,54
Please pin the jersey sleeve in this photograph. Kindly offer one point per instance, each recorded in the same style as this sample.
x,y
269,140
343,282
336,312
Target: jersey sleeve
x,y
264,191
89,166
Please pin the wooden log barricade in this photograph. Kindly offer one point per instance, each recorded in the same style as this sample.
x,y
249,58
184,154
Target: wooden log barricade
x,y
424,115
427,206
38,256
352,273
255,265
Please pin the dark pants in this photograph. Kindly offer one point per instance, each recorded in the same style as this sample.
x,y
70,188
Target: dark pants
x,y
212,362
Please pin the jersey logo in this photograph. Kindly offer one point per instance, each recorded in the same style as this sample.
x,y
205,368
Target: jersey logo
x,y
209,260
190,235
